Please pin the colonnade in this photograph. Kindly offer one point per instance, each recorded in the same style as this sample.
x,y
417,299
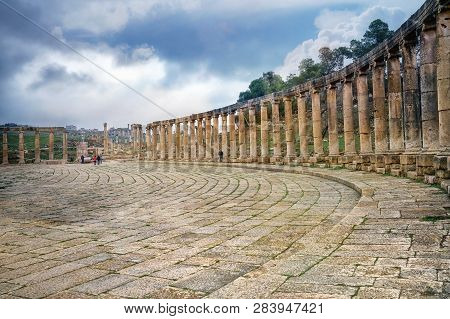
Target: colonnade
x,y
393,102
37,143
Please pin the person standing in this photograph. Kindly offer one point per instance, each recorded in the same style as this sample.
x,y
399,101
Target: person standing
x,y
82,159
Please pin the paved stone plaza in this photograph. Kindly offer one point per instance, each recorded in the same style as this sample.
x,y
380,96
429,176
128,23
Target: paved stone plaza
x,y
154,230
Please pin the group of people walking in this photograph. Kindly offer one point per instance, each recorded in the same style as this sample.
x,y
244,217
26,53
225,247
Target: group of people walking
x,y
97,159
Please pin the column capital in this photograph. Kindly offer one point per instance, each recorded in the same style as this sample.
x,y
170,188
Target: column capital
x,y
315,89
362,71
215,115
287,98
393,53
192,118
409,40
264,103
301,93
378,63
200,117
348,78
429,24
331,86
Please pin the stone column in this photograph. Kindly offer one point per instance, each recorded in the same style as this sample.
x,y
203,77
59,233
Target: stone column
x,y
411,95
363,112
133,135
242,144
290,146
139,143
178,139
317,122
21,147
105,138
154,142
428,86
193,139
276,130
224,136
208,151
162,140
253,145
333,137
5,147
215,154
200,145
232,129
65,146
264,133
443,74
301,104
148,141
395,102
37,146
51,142
349,130
170,145
186,139
379,107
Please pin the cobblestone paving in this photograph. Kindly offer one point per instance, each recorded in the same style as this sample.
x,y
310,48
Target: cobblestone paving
x,y
128,230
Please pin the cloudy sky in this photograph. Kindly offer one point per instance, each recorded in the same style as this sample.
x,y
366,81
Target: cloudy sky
x,y
187,55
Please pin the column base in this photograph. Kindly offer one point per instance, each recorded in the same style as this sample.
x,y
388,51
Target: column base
x,y
264,160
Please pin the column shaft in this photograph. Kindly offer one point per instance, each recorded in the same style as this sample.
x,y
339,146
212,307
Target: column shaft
x,y
51,142
395,102
154,142
317,122
208,152
252,120
301,104
264,133
37,146
200,144
148,141
363,113
411,96
178,140
193,140
242,144
379,107
276,129
428,87
21,148
290,148
170,145
105,138
5,147
333,139
215,154
349,130
232,129
162,141
186,140
443,74
65,147
224,136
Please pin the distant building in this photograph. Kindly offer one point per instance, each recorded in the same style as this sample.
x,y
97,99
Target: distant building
x,y
71,128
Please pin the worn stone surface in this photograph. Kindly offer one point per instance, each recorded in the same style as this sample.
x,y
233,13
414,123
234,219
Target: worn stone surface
x,y
155,230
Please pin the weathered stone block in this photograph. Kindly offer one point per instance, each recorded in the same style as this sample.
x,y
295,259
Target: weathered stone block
x,y
440,162
407,159
429,179
424,160
391,159
396,172
380,170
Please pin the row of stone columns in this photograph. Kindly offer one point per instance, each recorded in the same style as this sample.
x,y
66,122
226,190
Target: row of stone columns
x,y
37,146
410,114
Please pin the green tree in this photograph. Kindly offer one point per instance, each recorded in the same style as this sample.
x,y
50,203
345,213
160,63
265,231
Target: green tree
x,y
269,82
377,32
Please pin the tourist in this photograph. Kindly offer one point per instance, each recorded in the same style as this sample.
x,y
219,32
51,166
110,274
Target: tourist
x,y
220,155
99,159
94,159
82,159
